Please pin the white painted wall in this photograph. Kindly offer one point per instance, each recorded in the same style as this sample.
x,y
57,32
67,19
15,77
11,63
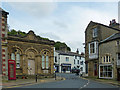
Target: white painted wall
x,y
62,59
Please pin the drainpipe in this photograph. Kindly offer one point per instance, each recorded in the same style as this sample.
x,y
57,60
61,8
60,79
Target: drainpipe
x,y
0,42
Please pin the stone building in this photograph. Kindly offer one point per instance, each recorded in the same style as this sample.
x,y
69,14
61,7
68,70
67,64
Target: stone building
x,y
109,57
94,33
3,43
32,55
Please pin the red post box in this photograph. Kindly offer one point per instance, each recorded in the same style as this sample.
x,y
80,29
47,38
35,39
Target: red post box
x,y
11,69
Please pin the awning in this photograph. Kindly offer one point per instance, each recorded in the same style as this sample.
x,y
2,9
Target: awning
x,y
65,64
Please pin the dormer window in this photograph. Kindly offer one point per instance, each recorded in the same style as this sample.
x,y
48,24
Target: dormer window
x,y
95,31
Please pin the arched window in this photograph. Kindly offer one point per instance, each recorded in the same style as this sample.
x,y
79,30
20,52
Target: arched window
x,y
45,59
43,62
12,56
17,60
15,55
47,62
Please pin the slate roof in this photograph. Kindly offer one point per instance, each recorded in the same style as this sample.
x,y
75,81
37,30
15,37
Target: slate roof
x,y
68,53
103,25
112,37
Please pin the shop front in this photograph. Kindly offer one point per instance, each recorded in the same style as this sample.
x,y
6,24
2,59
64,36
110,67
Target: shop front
x,y
65,68
106,71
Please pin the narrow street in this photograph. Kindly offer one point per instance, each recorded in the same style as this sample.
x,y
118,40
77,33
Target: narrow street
x,y
72,81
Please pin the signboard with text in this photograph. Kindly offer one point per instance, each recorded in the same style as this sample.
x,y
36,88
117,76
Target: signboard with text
x,y
11,70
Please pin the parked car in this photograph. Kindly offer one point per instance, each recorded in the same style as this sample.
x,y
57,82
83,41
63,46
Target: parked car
x,y
75,70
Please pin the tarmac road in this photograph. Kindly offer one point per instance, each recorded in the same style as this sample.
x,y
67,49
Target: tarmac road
x,y
72,81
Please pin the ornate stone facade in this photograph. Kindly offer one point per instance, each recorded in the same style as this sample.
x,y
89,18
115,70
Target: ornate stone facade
x,y
32,55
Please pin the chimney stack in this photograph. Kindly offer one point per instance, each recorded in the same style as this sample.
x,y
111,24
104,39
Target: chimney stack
x,y
77,51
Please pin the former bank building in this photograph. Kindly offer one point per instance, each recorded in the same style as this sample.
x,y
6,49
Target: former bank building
x,y
31,54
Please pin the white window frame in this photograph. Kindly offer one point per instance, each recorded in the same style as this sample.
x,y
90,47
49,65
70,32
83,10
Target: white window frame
x,y
95,32
67,59
95,47
103,66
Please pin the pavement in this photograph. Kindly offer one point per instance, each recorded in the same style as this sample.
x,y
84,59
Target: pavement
x,y
109,81
25,82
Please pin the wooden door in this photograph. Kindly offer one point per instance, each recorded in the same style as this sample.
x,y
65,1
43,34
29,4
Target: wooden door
x,y
31,67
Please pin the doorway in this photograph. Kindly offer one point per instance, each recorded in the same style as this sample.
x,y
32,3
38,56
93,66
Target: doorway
x,y
118,74
31,67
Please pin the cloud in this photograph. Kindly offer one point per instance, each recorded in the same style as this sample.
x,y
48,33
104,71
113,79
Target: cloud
x,y
50,35
67,26
37,9
60,24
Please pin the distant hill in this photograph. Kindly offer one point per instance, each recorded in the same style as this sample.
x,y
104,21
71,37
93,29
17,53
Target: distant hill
x,y
57,45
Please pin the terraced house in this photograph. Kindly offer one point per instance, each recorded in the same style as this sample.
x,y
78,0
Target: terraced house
x,y
100,60
31,54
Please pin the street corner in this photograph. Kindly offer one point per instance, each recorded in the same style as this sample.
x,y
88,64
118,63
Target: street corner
x,y
84,78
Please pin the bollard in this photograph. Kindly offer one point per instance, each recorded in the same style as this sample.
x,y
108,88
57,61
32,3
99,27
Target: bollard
x,y
55,75
36,77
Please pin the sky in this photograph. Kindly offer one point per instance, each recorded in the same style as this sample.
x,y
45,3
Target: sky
x,y
60,21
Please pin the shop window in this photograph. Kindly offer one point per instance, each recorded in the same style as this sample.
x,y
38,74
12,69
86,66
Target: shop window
x,y
106,71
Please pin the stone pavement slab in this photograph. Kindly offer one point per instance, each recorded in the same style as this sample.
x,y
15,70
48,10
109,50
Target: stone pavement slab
x,y
18,82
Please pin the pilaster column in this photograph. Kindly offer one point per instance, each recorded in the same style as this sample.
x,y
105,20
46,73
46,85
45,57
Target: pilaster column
x,y
52,64
24,63
38,64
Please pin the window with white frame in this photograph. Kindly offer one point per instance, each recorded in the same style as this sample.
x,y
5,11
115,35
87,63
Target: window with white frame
x,y
81,62
74,61
106,59
67,59
106,71
55,58
93,47
78,61
118,56
95,31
